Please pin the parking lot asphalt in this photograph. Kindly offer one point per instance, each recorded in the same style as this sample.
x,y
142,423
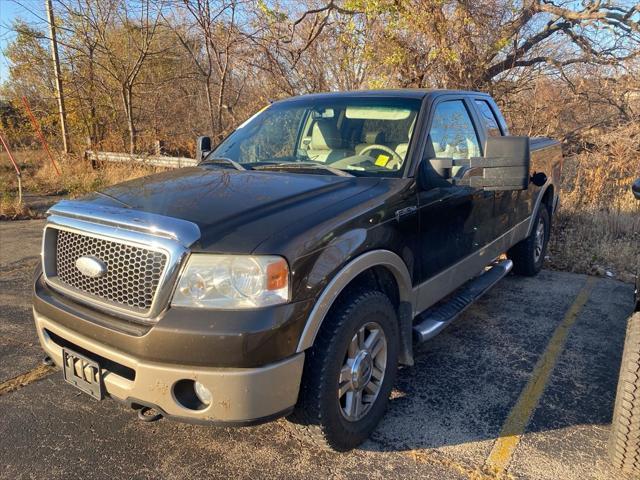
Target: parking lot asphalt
x,y
542,352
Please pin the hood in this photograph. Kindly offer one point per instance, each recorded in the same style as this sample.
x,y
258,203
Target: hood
x,y
235,210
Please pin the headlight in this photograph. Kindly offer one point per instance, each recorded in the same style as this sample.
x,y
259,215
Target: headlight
x,y
227,282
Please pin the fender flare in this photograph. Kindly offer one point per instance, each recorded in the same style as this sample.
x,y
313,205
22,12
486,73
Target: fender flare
x,y
536,207
355,267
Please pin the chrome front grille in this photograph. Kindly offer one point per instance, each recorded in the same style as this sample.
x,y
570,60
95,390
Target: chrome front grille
x,y
133,273
134,257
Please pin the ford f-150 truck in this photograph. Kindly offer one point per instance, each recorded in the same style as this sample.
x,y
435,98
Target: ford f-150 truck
x,y
292,271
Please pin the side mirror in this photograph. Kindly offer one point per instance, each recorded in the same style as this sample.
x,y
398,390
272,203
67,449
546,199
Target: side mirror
x,y
635,188
203,146
505,166
434,172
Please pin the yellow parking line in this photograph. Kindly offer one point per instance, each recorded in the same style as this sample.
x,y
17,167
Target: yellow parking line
x,y
20,381
513,428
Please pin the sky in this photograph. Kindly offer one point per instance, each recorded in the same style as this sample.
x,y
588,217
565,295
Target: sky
x,y
32,11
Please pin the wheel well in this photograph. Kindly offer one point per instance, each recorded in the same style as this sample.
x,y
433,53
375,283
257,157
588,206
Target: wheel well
x,y
375,278
547,199
378,277
382,279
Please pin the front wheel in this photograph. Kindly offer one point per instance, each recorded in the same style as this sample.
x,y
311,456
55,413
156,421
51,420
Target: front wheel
x,y
528,255
349,372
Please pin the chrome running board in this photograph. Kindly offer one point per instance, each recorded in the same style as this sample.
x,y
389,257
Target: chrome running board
x,y
433,320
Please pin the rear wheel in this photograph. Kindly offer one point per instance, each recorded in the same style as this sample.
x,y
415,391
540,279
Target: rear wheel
x,y
528,255
349,372
624,442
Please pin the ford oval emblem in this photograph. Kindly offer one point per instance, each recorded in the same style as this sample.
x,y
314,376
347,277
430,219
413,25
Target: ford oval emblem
x,y
91,266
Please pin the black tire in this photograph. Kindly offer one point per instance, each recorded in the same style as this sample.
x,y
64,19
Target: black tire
x,y
624,442
528,256
319,415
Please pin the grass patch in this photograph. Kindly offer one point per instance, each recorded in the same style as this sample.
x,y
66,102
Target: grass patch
x,y
77,177
11,209
597,228
596,243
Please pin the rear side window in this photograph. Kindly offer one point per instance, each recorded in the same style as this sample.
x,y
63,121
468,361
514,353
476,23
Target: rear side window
x,y
452,133
488,118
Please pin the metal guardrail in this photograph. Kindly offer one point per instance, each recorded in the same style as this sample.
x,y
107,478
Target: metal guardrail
x,y
155,160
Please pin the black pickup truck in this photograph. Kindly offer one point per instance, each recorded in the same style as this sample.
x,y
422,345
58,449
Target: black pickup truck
x,y
292,271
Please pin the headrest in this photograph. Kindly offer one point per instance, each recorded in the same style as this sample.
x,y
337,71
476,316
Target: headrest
x,y
325,135
375,136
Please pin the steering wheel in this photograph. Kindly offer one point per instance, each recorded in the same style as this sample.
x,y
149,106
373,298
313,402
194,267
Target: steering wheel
x,y
392,164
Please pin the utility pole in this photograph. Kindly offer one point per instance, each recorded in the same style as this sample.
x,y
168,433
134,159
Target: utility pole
x,y
58,75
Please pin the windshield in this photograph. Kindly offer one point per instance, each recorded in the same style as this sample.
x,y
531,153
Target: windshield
x,y
357,136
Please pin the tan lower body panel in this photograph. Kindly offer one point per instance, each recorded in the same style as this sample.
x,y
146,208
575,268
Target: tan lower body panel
x,y
238,394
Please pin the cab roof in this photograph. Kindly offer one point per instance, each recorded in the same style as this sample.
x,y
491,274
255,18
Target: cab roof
x,y
409,93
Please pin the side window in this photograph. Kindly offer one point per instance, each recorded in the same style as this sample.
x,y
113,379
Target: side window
x,y
489,119
452,133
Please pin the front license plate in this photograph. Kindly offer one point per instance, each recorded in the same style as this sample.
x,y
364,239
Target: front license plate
x,y
82,373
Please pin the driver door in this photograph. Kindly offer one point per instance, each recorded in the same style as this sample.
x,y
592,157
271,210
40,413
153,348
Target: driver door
x,y
455,220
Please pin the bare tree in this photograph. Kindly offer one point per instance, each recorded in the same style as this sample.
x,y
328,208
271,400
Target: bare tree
x,y
460,43
216,21
605,33
124,32
80,42
309,47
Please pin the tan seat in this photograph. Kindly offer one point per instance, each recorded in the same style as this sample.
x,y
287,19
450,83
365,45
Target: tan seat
x,y
327,145
450,151
375,137
401,148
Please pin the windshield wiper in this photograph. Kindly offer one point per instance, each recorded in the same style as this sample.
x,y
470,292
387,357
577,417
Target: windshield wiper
x,y
303,166
221,161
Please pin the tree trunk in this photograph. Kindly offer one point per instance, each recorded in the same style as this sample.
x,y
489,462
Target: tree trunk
x,y
93,128
128,110
221,92
212,120
220,100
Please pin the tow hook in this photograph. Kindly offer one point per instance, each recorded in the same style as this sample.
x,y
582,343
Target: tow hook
x,y
47,361
145,414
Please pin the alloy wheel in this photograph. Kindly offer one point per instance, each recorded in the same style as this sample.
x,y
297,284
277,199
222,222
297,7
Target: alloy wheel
x,y
539,240
362,372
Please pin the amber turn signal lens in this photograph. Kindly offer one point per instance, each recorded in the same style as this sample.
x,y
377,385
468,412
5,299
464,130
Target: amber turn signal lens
x,y
277,275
